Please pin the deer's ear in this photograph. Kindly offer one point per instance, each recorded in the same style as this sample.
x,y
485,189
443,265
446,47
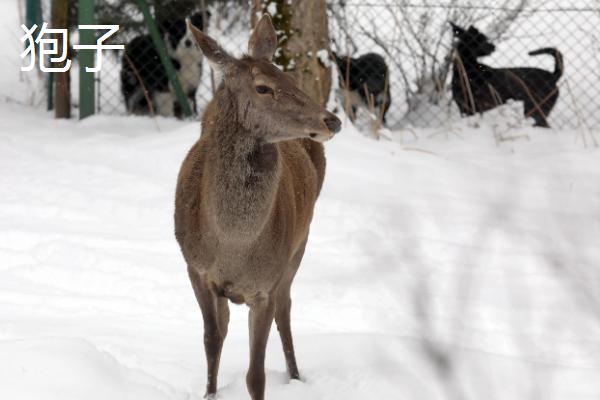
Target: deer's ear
x,y
218,58
263,41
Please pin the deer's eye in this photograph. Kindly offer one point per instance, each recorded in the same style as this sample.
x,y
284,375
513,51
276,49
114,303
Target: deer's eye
x,y
262,89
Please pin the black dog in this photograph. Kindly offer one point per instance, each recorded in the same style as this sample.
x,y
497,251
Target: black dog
x,y
364,78
141,62
477,87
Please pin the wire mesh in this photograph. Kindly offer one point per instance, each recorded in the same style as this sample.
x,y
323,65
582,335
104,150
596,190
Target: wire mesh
x,y
436,74
398,60
135,81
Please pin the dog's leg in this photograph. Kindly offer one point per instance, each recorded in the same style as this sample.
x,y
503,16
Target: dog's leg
x,y
164,104
192,99
352,115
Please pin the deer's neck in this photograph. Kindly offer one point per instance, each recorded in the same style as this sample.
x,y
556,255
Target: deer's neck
x,y
245,175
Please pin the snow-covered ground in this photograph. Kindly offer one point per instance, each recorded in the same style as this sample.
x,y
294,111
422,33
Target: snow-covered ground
x,y
447,267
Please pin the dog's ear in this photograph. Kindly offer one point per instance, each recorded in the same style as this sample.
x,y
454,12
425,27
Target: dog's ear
x,y
163,25
472,30
198,20
338,60
458,31
341,61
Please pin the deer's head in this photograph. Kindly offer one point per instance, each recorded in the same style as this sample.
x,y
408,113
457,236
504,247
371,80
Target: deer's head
x,y
268,102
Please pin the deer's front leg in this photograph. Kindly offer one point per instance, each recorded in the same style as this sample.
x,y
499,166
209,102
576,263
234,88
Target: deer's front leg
x,y
283,305
215,313
282,318
260,320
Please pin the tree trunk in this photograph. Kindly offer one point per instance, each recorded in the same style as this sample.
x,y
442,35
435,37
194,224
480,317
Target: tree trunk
x,y
303,36
62,80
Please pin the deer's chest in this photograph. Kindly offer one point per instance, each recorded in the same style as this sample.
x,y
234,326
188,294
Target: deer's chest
x,y
241,274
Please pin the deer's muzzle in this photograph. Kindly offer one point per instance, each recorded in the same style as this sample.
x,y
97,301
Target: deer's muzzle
x,y
333,123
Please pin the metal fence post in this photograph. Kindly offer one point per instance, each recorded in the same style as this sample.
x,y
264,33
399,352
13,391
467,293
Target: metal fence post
x,y
32,13
62,79
86,59
164,58
33,16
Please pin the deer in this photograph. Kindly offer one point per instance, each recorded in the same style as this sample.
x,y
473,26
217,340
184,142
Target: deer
x,y
245,198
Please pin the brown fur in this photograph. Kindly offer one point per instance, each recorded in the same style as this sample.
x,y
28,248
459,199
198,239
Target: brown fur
x,y
245,198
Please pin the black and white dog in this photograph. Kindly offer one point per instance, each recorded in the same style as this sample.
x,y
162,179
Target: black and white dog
x,y
364,78
477,87
142,70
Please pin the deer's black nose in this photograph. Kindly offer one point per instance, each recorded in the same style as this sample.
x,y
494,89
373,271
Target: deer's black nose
x,y
333,123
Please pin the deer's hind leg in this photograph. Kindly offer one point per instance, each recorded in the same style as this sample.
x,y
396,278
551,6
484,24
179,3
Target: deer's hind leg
x,y
215,313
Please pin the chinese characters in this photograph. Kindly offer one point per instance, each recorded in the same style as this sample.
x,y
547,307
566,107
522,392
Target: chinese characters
x,y
50,42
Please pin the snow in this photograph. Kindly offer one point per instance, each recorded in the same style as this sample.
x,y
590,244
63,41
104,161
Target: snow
x,y
452,266
272,8
323,56
456,262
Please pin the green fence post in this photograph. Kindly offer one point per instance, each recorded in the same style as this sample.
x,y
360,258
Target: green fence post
x,y
33,16
33,13
164,58
87,98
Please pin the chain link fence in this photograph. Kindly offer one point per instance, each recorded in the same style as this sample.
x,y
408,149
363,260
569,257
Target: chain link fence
x,y
410,63
134,81
454,58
